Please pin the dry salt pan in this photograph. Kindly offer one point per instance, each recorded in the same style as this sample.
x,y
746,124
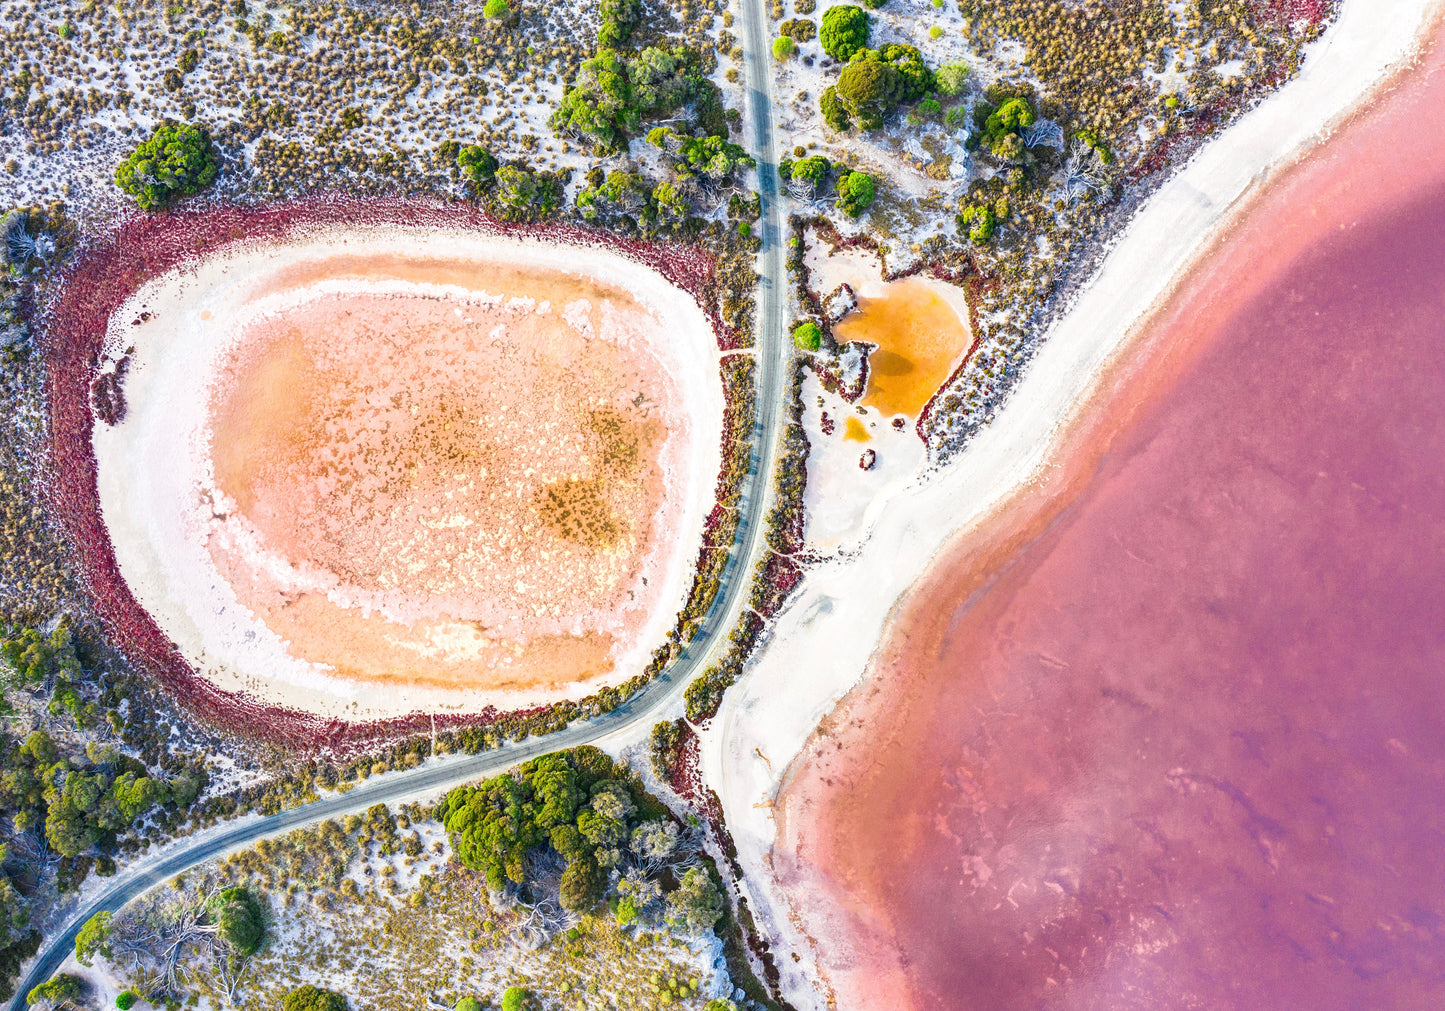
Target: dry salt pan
x,y
384,475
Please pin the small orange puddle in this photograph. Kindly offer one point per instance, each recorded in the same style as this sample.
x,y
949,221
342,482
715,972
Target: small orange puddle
x,y
853,431
920,339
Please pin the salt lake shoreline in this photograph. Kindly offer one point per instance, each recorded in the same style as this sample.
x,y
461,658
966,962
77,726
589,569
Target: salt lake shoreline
x,y
768,719
238,268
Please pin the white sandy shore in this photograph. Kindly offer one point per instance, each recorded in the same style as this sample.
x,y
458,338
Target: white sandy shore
x,y
150,466
822,645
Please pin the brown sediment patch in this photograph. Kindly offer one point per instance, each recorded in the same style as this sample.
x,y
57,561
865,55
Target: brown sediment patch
x,y
920,340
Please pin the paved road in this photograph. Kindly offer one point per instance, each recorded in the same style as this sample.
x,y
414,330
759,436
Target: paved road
x,y
441,774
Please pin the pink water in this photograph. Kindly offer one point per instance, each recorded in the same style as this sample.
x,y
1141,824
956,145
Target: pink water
x,y
1173,733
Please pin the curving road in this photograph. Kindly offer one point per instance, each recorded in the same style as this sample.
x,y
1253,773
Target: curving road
x,y
441,774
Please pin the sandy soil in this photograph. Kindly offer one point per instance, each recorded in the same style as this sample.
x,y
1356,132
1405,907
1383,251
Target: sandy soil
x,y
391,470
823,644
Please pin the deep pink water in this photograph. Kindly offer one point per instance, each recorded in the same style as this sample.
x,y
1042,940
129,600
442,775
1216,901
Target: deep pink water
x,y
1180,741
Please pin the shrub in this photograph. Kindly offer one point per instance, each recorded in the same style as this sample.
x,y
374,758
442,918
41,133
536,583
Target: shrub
x,y
782,47
242,924
477,163
176,160
125,1000
619,18
799,30
935,32
808,336
496,9
468,1004
844,31
835,113
855,193
313,998
951,78
514,999
60,990
869,89
812,170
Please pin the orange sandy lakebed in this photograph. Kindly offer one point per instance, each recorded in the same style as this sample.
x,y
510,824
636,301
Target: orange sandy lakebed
x,y
425,472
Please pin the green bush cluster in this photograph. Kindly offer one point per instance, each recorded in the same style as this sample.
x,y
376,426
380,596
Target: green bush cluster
x,y
177,160
313,998
874,82
845,30
576,802
619,19
613,93
808,336
856,191
61,990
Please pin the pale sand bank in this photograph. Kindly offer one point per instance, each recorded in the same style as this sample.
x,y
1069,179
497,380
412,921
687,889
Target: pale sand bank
x,y
822,645
175,529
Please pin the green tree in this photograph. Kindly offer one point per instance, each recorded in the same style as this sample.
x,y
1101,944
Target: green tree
x,y
856,191
93,938
555,790
583,883
844,31
952,78
783,47
477,163
60,991
176,160
810,173
695,905
869,89
670,201
468,1003
515,998
619,18
312,998
492,826
242,919
495,10
524,195
808,336
125,1000
835,113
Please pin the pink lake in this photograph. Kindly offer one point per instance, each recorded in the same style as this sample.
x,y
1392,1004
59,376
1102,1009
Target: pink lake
x,y
1172,734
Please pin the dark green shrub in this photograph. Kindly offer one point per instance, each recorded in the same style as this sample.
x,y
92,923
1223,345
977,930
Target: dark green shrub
x,y
477,163
312,998
856,191
125,1000
835,113
241,919
845,31
619,18
177,160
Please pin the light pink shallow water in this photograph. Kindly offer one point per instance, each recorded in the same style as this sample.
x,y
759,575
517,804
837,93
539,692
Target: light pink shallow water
x,y
1176,736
